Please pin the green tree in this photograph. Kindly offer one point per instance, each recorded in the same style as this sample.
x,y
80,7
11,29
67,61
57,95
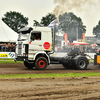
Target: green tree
x,y
45,21
72,26
15,20
36,23
96,30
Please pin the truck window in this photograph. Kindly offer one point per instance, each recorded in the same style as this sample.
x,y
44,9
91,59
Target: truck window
x,y
36,36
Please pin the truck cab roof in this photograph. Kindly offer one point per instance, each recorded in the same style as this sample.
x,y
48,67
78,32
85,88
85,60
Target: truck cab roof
x,y
29,29
41,29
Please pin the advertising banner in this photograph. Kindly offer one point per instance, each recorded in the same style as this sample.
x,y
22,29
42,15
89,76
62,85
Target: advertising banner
x,y
7,54
65,37
83,36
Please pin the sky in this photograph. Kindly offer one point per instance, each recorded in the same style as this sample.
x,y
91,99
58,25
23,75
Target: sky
x,y
33,9
36,9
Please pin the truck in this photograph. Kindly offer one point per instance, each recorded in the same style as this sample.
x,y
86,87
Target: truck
x,y
36,48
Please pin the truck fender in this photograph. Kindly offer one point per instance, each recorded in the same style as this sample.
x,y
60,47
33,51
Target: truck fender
x,y
41,54
76,58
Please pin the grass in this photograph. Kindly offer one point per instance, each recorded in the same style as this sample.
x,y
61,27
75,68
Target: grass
x,y
5,60
53,75
91,61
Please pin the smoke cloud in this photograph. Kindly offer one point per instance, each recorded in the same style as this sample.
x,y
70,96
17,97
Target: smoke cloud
x,y
72,5
88,10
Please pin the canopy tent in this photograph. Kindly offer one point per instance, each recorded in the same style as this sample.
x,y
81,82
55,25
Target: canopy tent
x,y
6,33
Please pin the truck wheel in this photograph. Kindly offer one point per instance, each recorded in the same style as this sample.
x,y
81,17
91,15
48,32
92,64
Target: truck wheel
x,y
81,64
41,63
28,65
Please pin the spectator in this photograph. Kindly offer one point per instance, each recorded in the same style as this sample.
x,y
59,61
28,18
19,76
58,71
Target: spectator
x,y
0,47
98,50
59,47
12,48
75,49
6,47
9,47
56,48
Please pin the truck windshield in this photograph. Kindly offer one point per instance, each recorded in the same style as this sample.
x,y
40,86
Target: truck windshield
x,y
23,37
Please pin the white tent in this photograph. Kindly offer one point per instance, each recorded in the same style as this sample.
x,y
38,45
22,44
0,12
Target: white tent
x,y
6,33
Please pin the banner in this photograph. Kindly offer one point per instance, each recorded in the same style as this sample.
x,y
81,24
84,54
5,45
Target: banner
x,y
65,37
83,35
7,54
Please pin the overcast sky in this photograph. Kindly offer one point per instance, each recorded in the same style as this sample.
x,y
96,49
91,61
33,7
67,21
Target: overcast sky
x,y
36,9
33,9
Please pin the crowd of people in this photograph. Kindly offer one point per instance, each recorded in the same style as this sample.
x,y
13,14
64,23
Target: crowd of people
x,y
77,48
10,47
7,47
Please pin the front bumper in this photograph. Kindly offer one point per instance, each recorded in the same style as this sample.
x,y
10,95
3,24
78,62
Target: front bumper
x,y
21,58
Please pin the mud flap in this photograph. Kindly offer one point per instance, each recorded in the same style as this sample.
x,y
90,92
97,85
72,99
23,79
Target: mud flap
x,y
95,59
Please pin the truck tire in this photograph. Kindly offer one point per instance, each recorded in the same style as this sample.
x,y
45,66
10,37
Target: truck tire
x,y
28,65
81,64
41,63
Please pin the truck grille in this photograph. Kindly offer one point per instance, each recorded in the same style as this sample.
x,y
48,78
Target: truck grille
x,y
19,46
19,49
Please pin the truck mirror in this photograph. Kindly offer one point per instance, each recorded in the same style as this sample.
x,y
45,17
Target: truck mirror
x,y
32,37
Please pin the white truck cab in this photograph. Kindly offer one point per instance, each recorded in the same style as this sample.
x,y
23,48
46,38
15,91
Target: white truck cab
x,y
33,43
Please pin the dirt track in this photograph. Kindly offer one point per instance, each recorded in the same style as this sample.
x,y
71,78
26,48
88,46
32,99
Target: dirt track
x,y
82,88
53,68
50,89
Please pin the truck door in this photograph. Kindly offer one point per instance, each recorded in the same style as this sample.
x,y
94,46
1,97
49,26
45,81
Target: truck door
x,y
36,43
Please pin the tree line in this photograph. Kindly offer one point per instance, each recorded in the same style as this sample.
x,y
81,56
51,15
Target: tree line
x,y
68,23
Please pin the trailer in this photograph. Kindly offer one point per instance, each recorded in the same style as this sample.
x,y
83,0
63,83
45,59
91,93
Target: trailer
x,y
36,48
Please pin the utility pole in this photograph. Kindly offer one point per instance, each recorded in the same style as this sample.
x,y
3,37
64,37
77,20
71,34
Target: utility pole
x,y
77,33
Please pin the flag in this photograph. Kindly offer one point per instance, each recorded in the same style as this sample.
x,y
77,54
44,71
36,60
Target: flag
x,y
54,23
65,37
83,36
